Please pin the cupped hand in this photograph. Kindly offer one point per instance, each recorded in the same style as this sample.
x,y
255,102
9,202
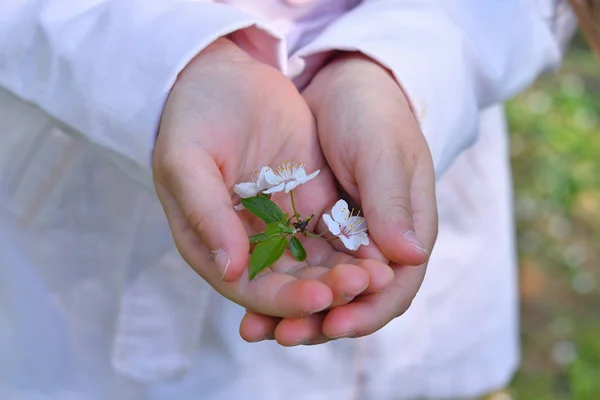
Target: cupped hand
x,y
373,144
227,116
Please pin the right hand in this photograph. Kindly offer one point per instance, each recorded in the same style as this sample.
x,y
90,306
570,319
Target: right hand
x,y
373,144
227,116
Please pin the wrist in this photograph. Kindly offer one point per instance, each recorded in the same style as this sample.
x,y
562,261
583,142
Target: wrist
x,y
346,60
220,53
347,71
354,66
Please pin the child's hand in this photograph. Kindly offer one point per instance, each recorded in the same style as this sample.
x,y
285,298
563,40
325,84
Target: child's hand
x,y
377,152
227,116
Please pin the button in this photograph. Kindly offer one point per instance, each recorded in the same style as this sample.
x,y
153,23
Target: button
x,y
295,67
299,3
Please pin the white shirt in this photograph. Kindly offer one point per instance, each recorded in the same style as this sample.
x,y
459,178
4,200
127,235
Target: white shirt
x,y
95,302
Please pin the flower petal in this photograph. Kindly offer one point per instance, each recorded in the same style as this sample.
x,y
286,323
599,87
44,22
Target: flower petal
x,y
351,242
262,181
340,212
246,189
299,173
272,178
333,226
305,178
275,189
364,239
291,185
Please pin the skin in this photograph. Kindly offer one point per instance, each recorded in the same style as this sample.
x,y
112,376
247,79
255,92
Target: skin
x,y
374,146
226,116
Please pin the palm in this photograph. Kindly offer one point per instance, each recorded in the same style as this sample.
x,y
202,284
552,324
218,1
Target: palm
x,y
297,140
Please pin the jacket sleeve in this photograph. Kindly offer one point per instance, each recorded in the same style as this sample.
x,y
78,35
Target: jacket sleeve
x,y
452,57
105,67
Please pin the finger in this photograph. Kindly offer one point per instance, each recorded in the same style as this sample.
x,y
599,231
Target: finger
x,y
380,275
424,203
270,293
343,278
368,314
256,327
283,295
300,331
363,316
288,332
195,183
346,281
385,191
306,330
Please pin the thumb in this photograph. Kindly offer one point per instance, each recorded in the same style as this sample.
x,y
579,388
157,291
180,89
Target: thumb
x,y
197,201
385,193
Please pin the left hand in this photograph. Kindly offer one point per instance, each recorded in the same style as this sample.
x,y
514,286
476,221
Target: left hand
x,y
373,144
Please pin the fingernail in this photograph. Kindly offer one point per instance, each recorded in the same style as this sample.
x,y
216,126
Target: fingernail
x,y
222,260
345,335
351,296
320,309
411,238
267,337
300,341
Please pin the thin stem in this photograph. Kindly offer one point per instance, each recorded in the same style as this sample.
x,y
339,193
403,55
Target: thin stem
x,y
320,236
296,215
314,235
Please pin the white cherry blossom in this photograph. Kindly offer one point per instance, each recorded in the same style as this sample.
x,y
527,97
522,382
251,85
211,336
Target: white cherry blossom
x,y
350,229
287,176
257,184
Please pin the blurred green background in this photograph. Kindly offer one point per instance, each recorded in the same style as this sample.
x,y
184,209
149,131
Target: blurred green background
x,y
555,146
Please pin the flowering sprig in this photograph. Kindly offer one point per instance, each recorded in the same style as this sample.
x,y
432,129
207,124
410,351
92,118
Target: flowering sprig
x,y
282,230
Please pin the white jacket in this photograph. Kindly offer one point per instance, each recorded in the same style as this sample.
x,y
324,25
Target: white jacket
x,y
95,302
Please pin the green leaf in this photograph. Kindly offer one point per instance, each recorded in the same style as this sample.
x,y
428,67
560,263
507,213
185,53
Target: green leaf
x,y
297,249
266,253
259,237
273,229
263,208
